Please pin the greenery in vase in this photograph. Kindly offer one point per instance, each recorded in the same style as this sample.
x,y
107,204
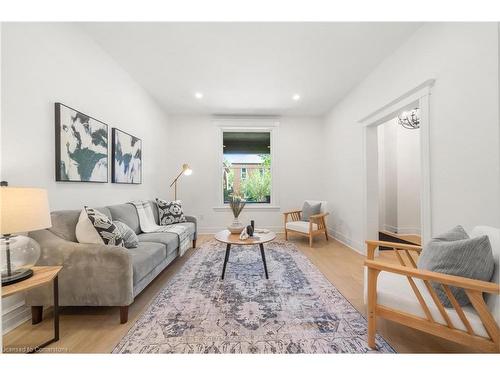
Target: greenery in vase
x,y
236,203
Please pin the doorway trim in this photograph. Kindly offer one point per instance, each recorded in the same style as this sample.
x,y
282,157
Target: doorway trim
x,y
417,96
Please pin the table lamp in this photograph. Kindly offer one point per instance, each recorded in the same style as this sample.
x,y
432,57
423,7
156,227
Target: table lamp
x,y
186,170
21,210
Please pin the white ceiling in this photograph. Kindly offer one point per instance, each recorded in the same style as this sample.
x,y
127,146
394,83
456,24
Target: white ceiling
x,y
249,68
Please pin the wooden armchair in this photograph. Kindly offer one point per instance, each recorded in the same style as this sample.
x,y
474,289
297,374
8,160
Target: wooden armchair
x,y
316,224
403,293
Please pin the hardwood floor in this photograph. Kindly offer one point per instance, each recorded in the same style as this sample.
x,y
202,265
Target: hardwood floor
x,y
97,330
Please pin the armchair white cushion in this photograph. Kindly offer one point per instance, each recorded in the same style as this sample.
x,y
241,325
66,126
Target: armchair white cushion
x,y
300,226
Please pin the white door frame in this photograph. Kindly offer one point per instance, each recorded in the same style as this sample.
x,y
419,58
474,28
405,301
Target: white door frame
x,y
419,97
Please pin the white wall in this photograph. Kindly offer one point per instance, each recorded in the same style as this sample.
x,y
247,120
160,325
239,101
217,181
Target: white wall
x,y
388,176
46,63
299,175
409,183
399,178
464,146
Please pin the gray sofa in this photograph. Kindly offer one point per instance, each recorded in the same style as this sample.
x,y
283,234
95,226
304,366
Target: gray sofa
x,y
101,275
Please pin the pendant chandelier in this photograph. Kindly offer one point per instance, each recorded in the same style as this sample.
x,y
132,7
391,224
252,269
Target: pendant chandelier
x,y
409,119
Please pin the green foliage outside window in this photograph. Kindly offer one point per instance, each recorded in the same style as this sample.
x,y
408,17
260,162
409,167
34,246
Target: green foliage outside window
x,y
256,188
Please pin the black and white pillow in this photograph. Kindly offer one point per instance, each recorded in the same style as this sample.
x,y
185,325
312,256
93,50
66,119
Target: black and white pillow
x,y
95,227
130,239
170,212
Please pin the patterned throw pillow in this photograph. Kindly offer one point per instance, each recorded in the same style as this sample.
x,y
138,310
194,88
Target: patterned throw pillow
x,y
170,212
130,239
95,227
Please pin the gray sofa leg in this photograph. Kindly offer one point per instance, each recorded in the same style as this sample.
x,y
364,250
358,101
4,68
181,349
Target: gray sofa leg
x,y
36,314
123,314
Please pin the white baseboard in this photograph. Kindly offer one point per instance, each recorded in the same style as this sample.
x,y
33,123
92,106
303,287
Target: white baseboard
x,y
403,229
347,241
14,315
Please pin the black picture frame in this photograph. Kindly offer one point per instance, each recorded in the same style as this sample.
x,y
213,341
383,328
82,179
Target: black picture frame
x,y
100,138
115,132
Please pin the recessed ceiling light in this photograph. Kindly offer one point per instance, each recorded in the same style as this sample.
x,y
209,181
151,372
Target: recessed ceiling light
x,y
198,95
296,97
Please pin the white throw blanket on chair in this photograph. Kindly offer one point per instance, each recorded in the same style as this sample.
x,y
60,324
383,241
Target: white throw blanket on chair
x,y
148,225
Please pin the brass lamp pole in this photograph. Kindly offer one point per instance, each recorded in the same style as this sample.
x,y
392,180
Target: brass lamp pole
x,y
186,170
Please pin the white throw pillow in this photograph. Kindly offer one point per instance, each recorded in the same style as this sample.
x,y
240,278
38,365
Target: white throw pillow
x,y
95,227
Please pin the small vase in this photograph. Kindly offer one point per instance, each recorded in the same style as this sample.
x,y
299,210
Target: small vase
x,y
236,227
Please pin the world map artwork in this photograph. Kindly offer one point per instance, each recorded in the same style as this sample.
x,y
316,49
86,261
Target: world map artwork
x,y
83,147
127,158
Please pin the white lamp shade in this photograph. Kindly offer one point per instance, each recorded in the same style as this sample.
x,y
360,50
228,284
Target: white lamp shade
x,y
23,210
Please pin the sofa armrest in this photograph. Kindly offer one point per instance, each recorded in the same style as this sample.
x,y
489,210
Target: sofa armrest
x,y
92,274
193,219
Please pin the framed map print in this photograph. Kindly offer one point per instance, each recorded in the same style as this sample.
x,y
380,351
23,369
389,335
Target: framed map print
x,y
81,146
127,158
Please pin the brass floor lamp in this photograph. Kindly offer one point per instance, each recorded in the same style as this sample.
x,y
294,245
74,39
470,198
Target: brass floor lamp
x,y
186,170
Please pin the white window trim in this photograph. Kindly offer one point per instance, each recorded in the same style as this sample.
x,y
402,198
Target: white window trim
x,y
248,125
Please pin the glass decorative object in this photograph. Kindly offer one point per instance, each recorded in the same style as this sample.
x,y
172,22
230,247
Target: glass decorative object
x,y
17,255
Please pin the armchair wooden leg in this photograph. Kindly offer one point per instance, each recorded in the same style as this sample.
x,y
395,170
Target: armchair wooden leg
x,y
286,235
194,244
310,240
372,303
123,314
324,226
36,314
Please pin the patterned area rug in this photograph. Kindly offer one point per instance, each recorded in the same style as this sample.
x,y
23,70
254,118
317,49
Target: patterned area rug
x,y
296,311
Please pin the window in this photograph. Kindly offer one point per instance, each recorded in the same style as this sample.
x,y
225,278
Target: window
x,y
243,173
247,165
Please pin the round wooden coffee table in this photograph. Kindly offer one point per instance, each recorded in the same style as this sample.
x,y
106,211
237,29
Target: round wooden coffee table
x,y
234,239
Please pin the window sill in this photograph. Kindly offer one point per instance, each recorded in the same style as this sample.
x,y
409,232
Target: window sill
x,y
249,207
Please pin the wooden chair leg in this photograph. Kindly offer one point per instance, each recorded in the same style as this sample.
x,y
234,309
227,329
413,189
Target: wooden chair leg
x,y
194,244
324,226
310,240
123,314
286,235
372,303
36,314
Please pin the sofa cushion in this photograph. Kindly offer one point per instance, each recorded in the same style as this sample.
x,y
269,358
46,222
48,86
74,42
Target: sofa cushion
x,y
145,258
452,254
127,214
170,240
64,224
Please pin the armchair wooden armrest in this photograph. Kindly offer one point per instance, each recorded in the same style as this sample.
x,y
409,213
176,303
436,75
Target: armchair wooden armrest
x,y
372,246
318,216
291,212
441,278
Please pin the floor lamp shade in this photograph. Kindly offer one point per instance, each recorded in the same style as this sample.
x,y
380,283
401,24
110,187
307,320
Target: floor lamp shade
x,y
21,210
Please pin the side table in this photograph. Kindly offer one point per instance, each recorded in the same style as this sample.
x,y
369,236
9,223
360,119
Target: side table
x,y
41,276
